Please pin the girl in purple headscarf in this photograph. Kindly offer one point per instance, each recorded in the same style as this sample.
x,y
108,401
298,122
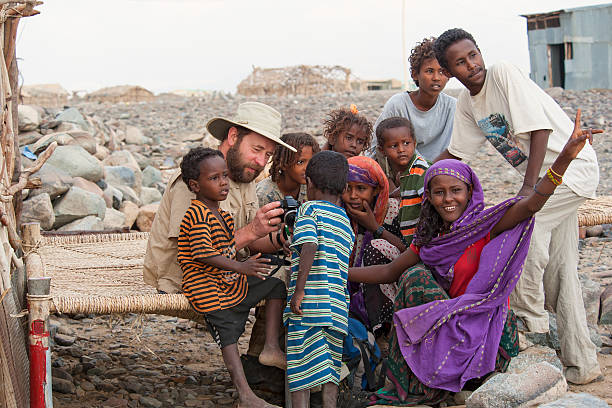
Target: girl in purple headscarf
x,y
452,322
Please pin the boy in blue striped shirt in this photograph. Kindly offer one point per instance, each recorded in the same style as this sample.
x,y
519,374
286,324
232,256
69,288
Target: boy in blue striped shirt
x,y
317,309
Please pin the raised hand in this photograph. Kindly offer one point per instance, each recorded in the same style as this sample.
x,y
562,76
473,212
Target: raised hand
x,y
256,266
365,218
578,138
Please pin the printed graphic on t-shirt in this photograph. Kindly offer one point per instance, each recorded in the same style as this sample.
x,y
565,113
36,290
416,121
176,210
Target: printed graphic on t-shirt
x,y
499,133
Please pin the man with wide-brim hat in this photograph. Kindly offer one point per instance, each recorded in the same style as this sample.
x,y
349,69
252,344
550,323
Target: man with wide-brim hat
x,y
248,141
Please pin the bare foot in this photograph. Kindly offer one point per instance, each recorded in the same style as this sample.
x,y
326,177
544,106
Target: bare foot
x,y
253,401
273,357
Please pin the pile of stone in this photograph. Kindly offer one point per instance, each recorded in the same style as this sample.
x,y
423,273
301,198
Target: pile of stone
x,y
95,179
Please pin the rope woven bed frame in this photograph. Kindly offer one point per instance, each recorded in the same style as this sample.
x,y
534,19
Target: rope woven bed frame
x,y
102,273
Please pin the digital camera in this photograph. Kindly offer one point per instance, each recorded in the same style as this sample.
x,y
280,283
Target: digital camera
x,y
290,207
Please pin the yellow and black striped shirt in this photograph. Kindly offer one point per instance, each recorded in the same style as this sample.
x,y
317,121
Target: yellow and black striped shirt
x,y
203,236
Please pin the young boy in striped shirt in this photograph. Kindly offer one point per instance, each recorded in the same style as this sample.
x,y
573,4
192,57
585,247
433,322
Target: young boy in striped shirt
x,y
215,283
317,312
396,141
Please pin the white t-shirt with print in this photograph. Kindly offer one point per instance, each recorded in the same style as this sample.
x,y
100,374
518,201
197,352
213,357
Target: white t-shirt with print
x,y
508,107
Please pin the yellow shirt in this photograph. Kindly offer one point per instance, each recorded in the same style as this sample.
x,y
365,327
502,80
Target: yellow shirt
x,y
161,269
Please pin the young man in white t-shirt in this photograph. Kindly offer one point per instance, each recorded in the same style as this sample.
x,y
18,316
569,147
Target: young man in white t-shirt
x,y
528,128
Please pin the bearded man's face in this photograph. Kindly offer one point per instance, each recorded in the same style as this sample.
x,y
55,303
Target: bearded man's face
x,y
247,158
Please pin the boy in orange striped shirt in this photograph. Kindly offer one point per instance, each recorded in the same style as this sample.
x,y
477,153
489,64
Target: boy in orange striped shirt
x,y
396,141
215,283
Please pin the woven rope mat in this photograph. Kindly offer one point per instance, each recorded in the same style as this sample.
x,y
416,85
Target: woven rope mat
x,y
595,212
102,274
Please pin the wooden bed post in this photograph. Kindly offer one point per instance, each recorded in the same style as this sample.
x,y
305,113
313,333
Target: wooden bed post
x,y
39,288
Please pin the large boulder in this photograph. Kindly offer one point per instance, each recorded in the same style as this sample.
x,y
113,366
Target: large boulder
x,y
62,139
85,140
78,203
113,219
129,195
539,384
606,306
126,158
531,356
55,182
39,209
89,223
75,161
102,152
29,118
133,135
113,197
72,115
151,176
150,195
119,176
146,215
27,138
87,185
582,400
591,291
131,213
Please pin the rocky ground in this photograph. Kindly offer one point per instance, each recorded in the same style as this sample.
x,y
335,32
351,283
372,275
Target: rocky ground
x,y
157,361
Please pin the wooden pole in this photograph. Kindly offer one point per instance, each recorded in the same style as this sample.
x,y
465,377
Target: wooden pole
x,y
31,237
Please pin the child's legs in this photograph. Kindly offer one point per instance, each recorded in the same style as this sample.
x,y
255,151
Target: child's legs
x,y
330,395
231,358
314,357
300,399
274,308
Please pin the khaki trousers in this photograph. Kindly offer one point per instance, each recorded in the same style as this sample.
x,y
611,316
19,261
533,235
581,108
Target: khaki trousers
x,y
550,280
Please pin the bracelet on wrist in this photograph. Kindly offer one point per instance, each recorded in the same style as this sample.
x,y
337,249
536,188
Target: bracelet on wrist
x,y
535,188
554,177
378,232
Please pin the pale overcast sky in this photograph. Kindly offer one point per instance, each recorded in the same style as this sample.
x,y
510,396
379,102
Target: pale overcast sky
x,y
165,45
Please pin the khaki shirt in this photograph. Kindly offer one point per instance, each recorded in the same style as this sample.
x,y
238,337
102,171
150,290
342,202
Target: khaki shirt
x,y
161,268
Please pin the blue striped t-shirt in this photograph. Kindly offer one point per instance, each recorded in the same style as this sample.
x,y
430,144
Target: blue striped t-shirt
x,y
326,296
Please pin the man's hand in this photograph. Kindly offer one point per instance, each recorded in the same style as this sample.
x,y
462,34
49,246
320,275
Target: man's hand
x,y
256,266
296,302
365,218
267,219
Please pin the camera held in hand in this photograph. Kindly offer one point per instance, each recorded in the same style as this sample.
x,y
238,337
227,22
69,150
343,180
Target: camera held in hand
x,y
290,207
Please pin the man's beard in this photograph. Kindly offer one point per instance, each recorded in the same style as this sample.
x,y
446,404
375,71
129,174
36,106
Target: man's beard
x,y
237,168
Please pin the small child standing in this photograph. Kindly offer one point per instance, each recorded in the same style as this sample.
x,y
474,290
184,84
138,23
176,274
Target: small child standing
x,y
396,142
317,312
216,285
347,132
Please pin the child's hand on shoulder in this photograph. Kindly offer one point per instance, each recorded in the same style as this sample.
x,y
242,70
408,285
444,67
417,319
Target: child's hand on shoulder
x,y
256,266
296,302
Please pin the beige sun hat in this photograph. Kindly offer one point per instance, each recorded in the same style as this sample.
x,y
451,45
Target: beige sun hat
x,y
255,116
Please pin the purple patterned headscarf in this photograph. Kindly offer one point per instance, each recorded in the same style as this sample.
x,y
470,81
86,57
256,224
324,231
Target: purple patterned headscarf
x,y
448,342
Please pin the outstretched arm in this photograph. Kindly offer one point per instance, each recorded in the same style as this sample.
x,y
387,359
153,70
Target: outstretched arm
x,y
384,273
545,188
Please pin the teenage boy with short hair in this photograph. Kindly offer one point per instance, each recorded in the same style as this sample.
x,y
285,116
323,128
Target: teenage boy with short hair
x,y
528,128
429,110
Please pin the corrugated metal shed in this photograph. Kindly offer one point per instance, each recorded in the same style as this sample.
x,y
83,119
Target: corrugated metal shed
x,y
571,48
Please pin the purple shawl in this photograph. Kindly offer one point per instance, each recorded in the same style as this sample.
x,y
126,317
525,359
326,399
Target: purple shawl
x,y
448,342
